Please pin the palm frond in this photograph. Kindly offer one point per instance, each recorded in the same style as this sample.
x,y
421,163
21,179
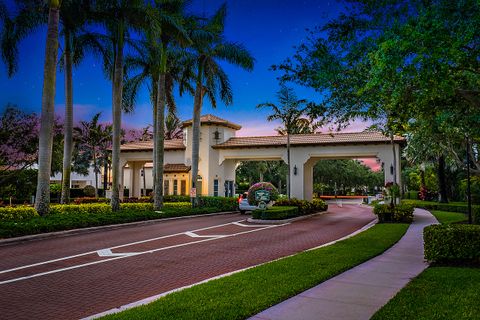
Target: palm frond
x,y
234,53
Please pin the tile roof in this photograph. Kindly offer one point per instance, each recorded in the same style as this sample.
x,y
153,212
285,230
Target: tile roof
x,y
210,119
308,139
175,167
174,144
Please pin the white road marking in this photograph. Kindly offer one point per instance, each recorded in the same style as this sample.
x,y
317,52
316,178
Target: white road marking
x,y
130,254
95,251
251,225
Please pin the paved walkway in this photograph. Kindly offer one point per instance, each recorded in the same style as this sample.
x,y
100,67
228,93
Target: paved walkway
x,y
82,275
359,292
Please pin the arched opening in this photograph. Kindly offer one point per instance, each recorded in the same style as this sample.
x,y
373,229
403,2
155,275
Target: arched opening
x,y
250,172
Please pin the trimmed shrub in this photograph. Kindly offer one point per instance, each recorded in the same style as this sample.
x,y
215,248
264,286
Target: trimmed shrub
x,y
267,186
452,243
413,195
449,207
17,213
172,198
304,206
276,213
222,203
89,208
138,200
89,191
84,200
398,213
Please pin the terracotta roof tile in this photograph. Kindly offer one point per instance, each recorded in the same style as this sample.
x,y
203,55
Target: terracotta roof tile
x,y
211,119
308,139
174,144
175,167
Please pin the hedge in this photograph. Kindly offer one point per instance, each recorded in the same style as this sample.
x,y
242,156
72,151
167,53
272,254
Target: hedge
x,y
455,243
276,213
17,213
399,213
304,206
449,207
222,203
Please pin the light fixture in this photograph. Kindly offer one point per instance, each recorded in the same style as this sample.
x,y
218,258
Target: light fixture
x,y
295,170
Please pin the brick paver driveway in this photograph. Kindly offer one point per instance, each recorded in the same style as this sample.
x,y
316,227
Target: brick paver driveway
x,y
81,275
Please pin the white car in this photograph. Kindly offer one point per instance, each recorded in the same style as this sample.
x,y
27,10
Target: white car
x,y
243,205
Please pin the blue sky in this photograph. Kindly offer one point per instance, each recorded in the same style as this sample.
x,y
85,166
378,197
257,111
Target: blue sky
x,y
269,29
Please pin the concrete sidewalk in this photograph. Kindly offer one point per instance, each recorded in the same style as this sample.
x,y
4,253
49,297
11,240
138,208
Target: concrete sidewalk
x,y
359,292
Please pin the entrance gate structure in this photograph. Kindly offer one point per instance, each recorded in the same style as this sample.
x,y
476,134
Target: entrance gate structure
x,y
221,151
307,149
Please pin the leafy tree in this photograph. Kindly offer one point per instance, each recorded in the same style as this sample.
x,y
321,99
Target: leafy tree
x,y
209,47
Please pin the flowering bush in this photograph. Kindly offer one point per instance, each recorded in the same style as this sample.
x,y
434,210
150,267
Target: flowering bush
x,y
267,186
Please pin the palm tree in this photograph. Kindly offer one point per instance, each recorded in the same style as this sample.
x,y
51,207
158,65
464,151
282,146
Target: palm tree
x,y
173,128
73,16
91,136
208,49
290,112
155,64
31,14
119,18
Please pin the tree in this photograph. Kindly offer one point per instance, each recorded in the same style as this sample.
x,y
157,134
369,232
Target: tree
x,y
208,49
73,17
90,137
119,18
173,129
155,64
291,111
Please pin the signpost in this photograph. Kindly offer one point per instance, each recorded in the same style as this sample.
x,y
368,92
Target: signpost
x,y
193,193
262,196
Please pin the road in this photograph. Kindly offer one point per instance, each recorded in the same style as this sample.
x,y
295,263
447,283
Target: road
x,y
81,275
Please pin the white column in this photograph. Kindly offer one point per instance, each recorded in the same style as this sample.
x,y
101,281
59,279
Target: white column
x,y
308,180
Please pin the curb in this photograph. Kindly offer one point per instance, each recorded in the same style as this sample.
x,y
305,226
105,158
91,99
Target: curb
x,y
65,233
284,221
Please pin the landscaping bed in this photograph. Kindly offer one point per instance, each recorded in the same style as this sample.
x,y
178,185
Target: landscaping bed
x,y
23,220
287,209
248,292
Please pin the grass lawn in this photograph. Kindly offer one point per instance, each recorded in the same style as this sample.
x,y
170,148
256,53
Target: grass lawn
x,y
246,293
446,217
437,293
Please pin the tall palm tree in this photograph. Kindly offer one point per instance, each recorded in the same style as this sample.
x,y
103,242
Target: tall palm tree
x,y
73,16
31,14
290,111
157,69
208,49
119,18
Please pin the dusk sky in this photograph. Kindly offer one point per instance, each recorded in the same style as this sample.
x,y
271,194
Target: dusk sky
x,y
269,29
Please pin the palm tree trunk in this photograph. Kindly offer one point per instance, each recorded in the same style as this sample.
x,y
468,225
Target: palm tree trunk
x,y
159,152
95,171
117,124
289,166
154,103
42,200
68,126
197,110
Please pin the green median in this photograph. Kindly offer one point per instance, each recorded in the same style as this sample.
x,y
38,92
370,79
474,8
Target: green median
x,y
246,293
